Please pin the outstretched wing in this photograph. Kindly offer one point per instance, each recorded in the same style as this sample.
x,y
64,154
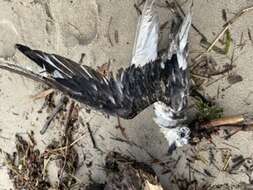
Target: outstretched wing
x,y
147,33
133,89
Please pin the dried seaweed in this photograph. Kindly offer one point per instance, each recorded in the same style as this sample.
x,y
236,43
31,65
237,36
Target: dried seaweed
x,y
67,158
26,166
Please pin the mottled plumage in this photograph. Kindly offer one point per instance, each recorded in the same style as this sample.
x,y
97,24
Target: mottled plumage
x,y
170,115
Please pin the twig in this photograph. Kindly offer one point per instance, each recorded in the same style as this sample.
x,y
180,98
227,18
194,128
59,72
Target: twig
x,y
227,162
233,133
67,137
131,143
138,10
69,117
57,109
221,72
81,58
91,136
5,65
216,80
64,147
42,94
122,129
108,32
250,36
234,120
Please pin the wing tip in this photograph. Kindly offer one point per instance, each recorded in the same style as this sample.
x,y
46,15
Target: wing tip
x,y
22,48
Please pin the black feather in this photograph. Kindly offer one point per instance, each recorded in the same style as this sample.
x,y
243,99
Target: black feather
x,y
133,89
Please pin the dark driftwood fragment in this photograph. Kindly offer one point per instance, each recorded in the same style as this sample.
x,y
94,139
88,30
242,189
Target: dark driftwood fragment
x,y
233,120
57,109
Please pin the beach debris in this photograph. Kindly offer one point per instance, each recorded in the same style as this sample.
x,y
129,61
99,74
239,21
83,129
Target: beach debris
x,y
57,109
224,15
225,121
26,165
121,128
207,111
43,94
250,36
234,78
91,136
81,58
116,36
64,153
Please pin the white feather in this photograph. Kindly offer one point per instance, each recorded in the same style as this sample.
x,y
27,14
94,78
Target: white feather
x,y
146,41
179,135
182,51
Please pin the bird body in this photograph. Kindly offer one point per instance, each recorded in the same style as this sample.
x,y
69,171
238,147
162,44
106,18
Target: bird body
x,y
170,115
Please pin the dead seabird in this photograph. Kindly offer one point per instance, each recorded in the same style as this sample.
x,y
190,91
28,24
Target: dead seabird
x,y
150,79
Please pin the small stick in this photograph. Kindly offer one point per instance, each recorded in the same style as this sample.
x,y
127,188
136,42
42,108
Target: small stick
x,y
57,109
92,137
108,32
250,36
237,164
65,147
227,162
139,12
69,114
233,120
81,58
232,134
42,94
22,71
122,129
68,137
